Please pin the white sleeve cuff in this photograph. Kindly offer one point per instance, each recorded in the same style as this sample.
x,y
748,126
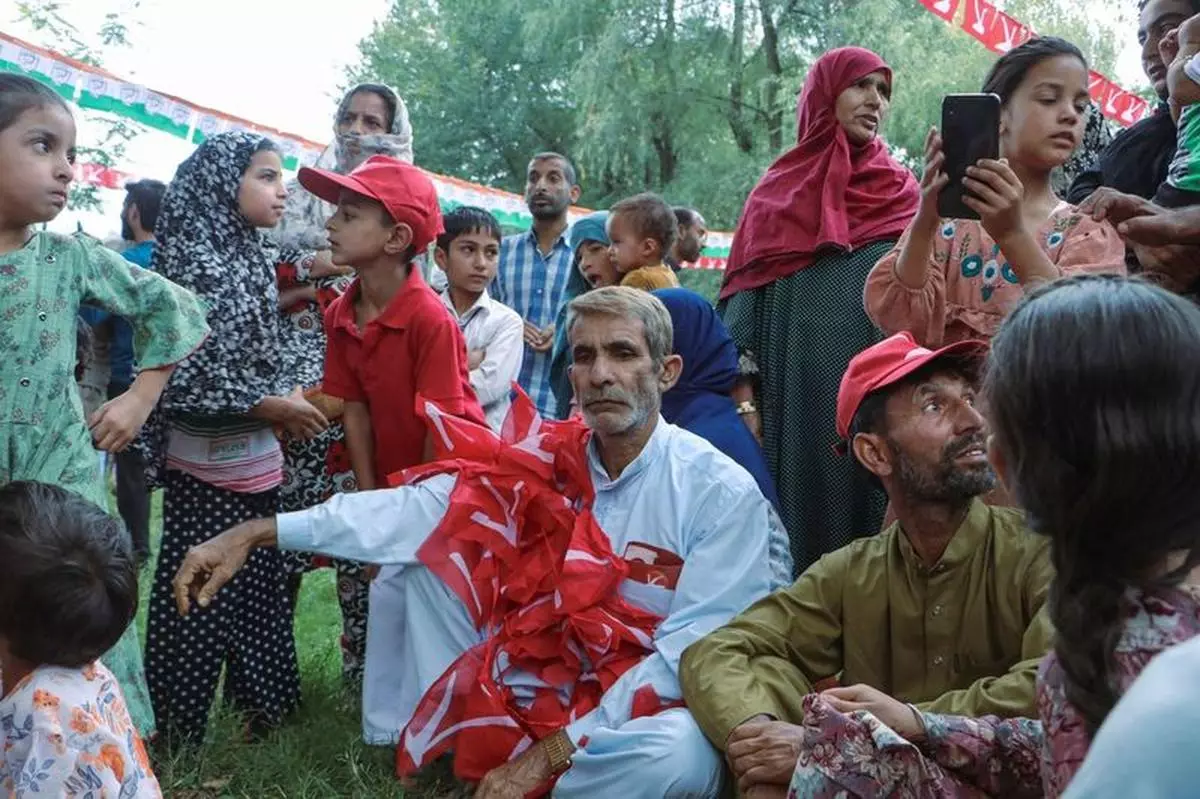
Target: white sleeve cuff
x,y
294,531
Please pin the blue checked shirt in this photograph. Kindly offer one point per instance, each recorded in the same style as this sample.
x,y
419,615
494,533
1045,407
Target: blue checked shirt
x,y
533,285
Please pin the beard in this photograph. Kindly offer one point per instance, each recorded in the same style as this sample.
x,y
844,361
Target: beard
x,y
689,251
126,230
642,404
944,481
553,208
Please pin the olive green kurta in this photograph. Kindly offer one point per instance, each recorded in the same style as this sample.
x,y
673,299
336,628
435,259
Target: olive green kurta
x,y
43,434
964,636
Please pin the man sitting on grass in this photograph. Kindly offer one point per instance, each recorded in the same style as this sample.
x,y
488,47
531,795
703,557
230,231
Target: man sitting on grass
x,y
555,579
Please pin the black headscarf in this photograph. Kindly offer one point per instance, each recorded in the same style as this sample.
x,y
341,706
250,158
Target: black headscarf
x,y
1136,162
207,245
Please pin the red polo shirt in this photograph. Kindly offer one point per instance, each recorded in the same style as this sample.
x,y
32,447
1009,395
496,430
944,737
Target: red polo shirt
x,y
413,346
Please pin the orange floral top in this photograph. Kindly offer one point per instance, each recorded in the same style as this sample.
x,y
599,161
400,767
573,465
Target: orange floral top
x,y
67,733
970,287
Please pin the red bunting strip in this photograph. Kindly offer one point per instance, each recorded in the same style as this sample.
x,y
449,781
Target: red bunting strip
x,y
1000,33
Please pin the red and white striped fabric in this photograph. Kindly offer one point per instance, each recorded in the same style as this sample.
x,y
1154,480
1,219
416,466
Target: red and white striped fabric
x,y
520,547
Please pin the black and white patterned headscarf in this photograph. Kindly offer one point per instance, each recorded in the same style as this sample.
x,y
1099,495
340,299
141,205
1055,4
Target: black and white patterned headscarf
x,y
207,245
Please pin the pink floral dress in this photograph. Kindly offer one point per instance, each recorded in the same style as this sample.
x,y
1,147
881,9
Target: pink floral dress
x,y
856,755
970,286
67,733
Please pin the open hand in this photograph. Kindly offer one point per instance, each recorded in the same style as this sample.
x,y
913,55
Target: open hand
x,y
892,712
209,566
116,423
764,752
995,193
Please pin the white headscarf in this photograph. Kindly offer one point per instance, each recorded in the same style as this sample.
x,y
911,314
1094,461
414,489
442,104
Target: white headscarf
x,y
303,223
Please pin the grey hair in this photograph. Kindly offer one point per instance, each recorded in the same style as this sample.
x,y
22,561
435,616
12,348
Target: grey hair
x,y
626,303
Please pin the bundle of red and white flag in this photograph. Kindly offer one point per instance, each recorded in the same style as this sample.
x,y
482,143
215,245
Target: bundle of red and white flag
x,y
520,547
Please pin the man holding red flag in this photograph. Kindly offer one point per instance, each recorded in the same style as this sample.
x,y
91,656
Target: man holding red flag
x,y
557,575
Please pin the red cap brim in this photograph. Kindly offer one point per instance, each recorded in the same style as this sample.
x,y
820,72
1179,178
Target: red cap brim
x,y
329,185
970,353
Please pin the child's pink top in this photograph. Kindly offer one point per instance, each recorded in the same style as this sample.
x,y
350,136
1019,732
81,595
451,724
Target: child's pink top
x,y
970,287
67,733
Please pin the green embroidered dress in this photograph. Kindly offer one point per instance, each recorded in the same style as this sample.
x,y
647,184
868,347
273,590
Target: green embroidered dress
x,y
43,435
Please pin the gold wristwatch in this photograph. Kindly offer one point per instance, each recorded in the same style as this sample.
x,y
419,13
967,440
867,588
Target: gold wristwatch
x,y
559,750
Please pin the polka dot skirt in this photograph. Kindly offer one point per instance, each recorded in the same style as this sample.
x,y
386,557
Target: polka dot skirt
x,y
247,628
803,330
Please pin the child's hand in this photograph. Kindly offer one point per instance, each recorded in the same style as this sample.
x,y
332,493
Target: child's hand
x,y
1168,47
302,419
117,422
933,179
996,194
294,413
323,266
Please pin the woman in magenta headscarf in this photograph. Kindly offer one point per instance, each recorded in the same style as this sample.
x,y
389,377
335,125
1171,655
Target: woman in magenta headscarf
x,y
811,231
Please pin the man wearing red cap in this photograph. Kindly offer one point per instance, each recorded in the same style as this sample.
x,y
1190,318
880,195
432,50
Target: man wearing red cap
x,y
943,609
390,338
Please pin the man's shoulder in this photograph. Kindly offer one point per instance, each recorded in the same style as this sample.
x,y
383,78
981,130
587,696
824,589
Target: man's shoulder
x,y
706,466
140,254
509,245
1011,531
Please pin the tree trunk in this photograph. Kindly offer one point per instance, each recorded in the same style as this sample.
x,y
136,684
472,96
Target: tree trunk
x,y
743,134
774,81
663,138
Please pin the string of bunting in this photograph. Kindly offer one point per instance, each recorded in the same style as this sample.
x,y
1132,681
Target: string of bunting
x,y
1000,33
96,89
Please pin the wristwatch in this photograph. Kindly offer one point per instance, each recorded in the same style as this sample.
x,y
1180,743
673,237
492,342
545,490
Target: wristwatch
x,y
746,407
559,750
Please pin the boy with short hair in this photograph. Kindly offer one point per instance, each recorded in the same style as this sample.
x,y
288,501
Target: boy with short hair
x,y
468,252
389,336
642,229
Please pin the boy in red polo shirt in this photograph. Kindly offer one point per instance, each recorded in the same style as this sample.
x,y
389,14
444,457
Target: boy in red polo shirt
x,y
390,336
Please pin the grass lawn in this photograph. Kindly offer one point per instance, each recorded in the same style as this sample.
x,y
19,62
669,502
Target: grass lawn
x,y
319,752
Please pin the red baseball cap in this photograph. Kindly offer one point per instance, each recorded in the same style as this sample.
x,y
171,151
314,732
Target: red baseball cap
x,y
405,191
889,362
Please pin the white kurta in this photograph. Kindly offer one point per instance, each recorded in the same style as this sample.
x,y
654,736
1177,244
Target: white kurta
x,y
681,495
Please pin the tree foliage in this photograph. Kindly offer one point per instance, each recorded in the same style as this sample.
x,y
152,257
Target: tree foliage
x,y
113,134
691,98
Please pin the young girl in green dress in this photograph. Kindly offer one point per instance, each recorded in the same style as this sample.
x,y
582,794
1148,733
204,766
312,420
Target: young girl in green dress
x,y
44,278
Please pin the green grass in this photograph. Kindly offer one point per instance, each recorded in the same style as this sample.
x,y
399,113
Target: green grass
x,y
318,753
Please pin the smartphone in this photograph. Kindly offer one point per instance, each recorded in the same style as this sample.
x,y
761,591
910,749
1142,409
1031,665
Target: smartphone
x,y
970,131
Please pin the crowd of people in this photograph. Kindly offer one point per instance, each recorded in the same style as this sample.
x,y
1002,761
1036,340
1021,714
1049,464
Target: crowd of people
x,y
908,513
